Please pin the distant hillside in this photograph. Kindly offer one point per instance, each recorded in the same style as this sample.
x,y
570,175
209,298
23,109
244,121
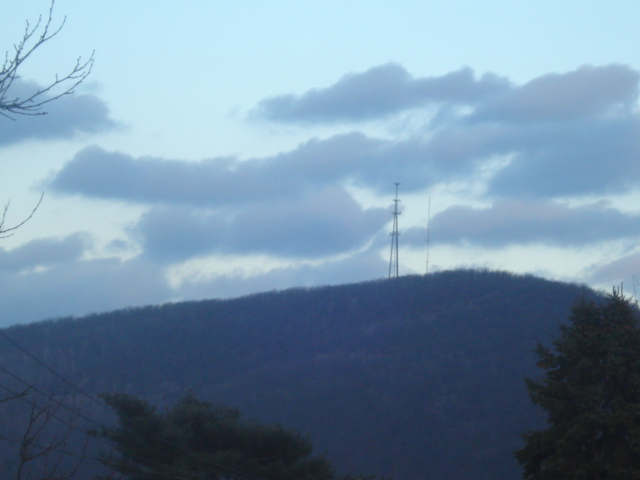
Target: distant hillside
x,y
416,378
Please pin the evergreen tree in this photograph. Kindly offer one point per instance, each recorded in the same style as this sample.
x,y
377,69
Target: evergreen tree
x,y
591,394
198,440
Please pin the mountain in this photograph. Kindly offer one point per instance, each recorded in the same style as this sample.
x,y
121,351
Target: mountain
x,y
415,378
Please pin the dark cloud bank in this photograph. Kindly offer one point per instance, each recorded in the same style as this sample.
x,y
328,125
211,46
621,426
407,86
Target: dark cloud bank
x,y
537,146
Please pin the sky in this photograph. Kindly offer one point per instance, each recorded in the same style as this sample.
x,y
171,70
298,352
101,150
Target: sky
x,y
224,148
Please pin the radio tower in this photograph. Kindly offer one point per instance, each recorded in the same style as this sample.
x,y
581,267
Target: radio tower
x,y
393,261
428,229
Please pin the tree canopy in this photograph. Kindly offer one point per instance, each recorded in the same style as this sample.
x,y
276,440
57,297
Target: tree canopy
x,y
591,394
196,439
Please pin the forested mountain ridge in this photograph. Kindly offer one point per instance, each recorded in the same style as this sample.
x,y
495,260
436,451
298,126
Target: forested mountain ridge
x,y
418,377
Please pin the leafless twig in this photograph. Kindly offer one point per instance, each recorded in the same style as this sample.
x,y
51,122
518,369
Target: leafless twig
x,y
43,446
32,39
4,230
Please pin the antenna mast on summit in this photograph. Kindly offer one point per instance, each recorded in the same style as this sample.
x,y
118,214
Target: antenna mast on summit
x,y
428,232
393,261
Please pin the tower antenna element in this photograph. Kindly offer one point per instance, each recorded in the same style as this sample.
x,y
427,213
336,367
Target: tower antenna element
x,y
393,260
428,231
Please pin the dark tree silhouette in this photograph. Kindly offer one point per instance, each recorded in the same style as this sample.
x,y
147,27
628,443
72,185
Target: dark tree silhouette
x,y
591,394
196,439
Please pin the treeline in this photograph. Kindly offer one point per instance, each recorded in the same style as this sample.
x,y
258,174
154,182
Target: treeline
x,y
418,377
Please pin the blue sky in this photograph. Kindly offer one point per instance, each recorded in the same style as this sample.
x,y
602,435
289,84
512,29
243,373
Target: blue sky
x,y
220,149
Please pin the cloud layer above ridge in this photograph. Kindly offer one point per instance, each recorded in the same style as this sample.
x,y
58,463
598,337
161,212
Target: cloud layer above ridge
x,y
533,164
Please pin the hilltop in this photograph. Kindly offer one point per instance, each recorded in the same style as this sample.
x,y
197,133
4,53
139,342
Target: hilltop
x,y
418,377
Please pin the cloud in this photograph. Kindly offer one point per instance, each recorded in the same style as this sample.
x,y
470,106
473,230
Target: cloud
x,y
80,287
588,143
564,134
48,277
614,272
518,222
584,92
221,181
525,149
315,164
378,92
388,89
326,223
66,118
584,157
359,267
292,205
43,252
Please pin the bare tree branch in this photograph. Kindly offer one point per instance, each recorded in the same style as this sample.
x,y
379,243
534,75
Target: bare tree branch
x,y
3,217
32,104
32,39
14,396
43,446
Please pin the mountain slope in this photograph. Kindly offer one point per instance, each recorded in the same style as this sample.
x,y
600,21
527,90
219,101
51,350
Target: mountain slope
x,y
418,377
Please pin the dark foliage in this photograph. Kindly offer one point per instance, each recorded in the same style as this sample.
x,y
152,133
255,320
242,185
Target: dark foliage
x,y
591,394
413,378
197,439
